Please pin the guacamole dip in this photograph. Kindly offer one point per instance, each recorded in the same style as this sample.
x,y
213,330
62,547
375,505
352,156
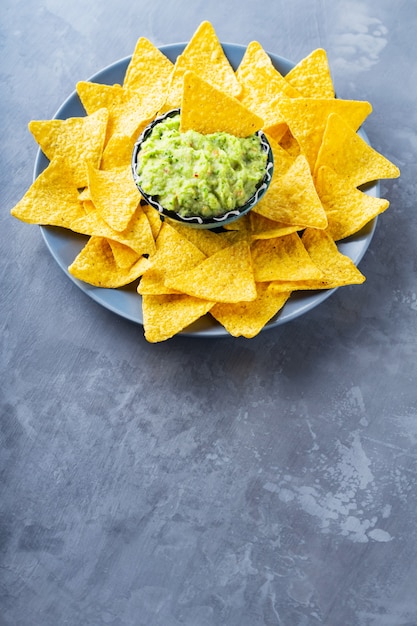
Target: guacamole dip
x,y
194,174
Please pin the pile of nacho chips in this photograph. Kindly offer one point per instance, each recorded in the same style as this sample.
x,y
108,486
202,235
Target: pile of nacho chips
x,y
243,275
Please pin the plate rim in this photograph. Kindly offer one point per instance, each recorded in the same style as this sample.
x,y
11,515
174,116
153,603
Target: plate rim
x,y
306,300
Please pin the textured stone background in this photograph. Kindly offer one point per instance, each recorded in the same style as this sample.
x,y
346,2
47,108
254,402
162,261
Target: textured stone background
x,y
208,482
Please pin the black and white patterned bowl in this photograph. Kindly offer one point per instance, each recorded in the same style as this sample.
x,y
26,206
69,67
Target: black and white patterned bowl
x,y
196,221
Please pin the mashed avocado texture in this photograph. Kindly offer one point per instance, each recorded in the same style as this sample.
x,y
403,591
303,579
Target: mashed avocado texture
x,y
194,174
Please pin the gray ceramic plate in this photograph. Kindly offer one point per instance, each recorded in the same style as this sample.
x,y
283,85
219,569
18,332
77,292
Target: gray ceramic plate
x,y
64,245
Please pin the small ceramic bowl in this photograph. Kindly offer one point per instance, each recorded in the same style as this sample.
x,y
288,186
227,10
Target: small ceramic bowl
x,y
196,221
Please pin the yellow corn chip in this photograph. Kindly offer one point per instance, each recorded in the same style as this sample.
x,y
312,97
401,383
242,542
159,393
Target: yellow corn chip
x,y
212,279
166,315
263,88
129,110
137,235
247,319
88,207
282,159
260,80
337,269
241,225
289,143
206,110
274,123
307,119
96,265
311,76
205,240
148,70
350,156
175,89
292,198
230,237
114,194
154,218
275,130
282,258
85,196
264,228
77,139
174,252
348,209
117,152
205,56
124,256
52,199
239,230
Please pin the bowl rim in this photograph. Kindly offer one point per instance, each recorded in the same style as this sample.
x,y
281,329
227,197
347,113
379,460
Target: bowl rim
x,y
199,221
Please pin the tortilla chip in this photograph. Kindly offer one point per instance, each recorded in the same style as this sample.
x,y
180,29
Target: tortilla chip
x,y
203,55
174,252
154,218
275,130
129,110
260,80
124,256
148,70
289,143
85,196
247,319
212,279
53,198
337,269
350,156
263,88
137,235
77,139
282,159
307,119
311,76
115,195
282,258
206,110
96,265
207,241
347,208
241,225
117,152
175,90
264,228
292,198
166,315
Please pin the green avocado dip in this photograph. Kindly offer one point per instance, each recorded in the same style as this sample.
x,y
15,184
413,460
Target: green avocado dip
x,y
194,174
